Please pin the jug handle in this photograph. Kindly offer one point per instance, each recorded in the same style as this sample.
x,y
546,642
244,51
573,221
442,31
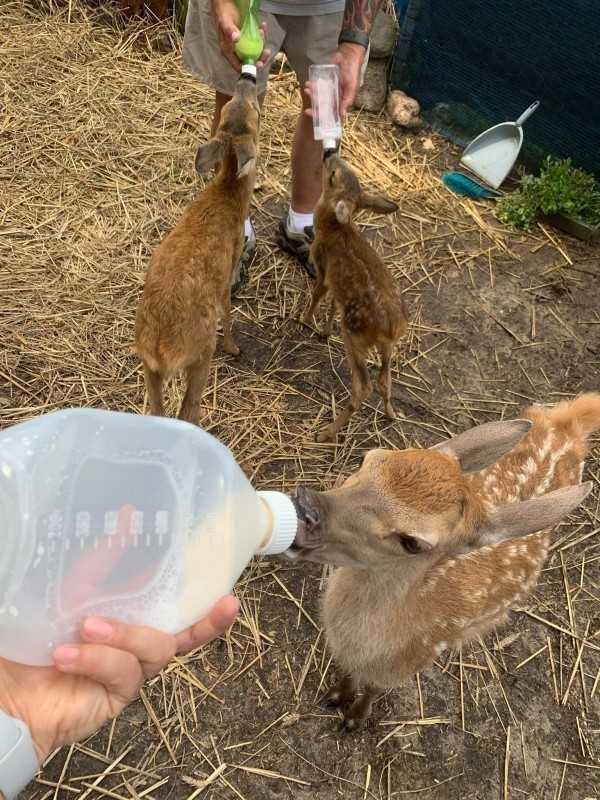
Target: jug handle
x,y
527,113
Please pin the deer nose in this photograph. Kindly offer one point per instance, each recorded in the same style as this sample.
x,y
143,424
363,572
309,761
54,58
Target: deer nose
x,y
309,518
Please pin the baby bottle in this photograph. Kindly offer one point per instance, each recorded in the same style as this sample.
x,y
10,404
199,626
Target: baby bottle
x,y
325,100
146,520
250,44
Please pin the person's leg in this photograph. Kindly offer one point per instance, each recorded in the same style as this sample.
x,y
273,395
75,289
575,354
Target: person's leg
x,y
308,40
307,160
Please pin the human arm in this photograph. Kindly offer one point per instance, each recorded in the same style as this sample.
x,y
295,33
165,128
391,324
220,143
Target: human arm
x,y
357,24
359,16
92,682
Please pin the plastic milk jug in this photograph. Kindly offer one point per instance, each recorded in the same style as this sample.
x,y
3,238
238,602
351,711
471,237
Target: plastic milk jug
x,y
142,519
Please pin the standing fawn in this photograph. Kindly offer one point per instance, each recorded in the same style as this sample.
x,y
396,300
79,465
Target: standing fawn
x,y
359,284
435,546
189,277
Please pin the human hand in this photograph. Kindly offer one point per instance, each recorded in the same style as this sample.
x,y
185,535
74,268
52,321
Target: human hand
x,y
227,20
349,57
92,682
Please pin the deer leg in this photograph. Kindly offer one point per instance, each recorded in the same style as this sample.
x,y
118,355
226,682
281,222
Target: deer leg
x,y
229,344
196,377
327,327
341,693
361,388
154,387
318,293
360,709
385,379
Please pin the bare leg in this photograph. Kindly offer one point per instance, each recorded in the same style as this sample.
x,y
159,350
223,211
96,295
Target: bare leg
x,y
229,344
196,376
361,388
342,693
307,157
360,709
154,387
385,379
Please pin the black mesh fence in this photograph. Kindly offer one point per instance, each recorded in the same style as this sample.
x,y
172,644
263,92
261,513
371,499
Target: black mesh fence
x,y
474,63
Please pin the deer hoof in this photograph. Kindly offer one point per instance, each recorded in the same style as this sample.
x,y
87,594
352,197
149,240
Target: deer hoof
x,y
350,724
333,698
326,435
232,349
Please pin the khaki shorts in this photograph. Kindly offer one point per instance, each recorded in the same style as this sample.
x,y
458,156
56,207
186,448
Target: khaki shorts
x,y
304,40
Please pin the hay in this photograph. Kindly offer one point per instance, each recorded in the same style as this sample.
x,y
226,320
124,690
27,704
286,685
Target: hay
x,y
96,157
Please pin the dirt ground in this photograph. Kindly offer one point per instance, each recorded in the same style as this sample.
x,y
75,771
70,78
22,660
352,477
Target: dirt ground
x,y
96,163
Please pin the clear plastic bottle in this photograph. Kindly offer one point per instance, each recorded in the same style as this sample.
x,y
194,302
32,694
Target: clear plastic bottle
x,y
143,519
325,100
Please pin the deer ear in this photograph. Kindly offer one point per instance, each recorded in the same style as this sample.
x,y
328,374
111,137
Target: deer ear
x,y
539,514
479,447
245,153
342,212
377,202
208,155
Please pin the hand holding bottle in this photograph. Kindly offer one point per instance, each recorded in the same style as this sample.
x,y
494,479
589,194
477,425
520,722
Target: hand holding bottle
x,y
94,680
349,59
228,19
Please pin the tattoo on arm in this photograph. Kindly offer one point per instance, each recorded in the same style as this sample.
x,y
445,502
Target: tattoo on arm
x,y
359,15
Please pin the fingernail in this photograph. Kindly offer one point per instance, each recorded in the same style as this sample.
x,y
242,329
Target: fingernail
x,y
66,656
97,629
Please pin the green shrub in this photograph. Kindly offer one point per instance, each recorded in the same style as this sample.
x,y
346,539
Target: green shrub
x,y
559,189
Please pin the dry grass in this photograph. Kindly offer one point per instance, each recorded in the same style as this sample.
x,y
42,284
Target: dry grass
x,y
97,143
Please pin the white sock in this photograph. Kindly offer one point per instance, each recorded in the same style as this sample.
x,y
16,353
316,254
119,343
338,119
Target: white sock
x,y
249,229
297,222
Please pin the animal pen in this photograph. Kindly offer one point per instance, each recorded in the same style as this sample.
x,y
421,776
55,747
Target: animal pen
x,y
96,161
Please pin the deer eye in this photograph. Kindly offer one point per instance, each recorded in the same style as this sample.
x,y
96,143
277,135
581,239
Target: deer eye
x,y
332,178
409,543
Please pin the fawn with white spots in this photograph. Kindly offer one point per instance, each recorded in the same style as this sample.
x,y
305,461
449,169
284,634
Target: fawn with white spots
x,y
188,283
435,546
359,285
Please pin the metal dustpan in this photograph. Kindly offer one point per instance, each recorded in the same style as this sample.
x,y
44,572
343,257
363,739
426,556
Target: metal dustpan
x,y
493,153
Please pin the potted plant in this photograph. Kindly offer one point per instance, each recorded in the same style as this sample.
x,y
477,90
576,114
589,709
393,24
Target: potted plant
x,y
562,195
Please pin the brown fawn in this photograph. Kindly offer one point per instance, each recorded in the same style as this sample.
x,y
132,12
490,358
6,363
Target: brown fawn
x,y
187,287
359,284
435,546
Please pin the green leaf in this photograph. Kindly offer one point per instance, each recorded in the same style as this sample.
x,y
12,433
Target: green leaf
x,y
559,188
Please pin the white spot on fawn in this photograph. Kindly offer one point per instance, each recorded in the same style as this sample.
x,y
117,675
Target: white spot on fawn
x,y
546,446
554,459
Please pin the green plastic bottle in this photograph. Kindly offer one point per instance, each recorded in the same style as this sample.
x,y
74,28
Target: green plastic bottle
x,y
250,44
